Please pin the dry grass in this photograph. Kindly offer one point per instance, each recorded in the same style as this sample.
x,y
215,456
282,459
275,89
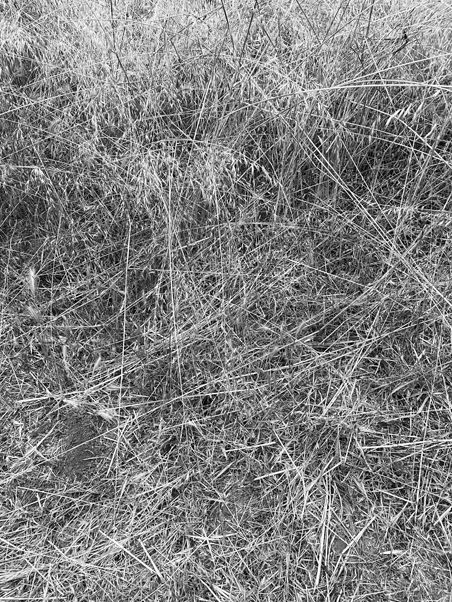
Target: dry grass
x,y
226,301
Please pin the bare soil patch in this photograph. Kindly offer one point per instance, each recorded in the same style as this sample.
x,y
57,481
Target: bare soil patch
x,y
82,446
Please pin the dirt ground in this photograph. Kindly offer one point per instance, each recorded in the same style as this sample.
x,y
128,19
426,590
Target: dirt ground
x,y
81,444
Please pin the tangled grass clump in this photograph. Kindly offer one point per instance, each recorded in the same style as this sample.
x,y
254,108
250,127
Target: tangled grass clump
x,y
226,313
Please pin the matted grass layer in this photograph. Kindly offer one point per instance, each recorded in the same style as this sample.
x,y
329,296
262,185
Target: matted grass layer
x,y
225,301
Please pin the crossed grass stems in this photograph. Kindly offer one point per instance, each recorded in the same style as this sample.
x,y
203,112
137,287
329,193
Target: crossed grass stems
x,y
225,304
